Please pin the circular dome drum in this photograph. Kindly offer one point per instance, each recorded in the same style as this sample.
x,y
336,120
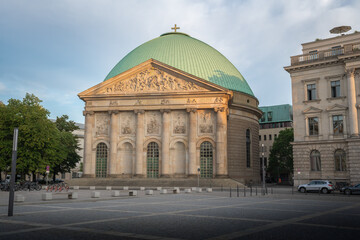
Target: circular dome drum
x,y
188,54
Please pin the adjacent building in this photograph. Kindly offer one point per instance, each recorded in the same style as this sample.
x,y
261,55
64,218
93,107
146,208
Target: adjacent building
x,y
274,119
325,92
174,107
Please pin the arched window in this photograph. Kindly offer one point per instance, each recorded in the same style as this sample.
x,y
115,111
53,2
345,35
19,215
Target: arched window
x,y
152,162
101,160
315,161
206,160
248,147
340,160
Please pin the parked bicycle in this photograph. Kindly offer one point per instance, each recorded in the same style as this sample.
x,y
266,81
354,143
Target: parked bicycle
x,y
30,186
57,187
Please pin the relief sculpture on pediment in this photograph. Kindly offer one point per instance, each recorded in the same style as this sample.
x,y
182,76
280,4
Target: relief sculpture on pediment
x,y
102,124
152,80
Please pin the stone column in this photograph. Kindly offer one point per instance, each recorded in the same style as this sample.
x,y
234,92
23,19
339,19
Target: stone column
x,y
192,142
89,163
221,141
165,143
353,120
139,142
114,132
331,133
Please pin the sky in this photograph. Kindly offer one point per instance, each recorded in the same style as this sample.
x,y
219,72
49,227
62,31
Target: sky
x,y
56,49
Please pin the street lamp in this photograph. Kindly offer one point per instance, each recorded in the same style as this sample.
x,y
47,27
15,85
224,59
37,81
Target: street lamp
x,y
263,167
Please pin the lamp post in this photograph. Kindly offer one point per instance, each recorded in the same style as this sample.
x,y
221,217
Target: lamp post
x,y
198,177
263,168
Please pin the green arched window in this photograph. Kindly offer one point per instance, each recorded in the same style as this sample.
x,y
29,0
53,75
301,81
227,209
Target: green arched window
x,y
101,160
152,160
206,160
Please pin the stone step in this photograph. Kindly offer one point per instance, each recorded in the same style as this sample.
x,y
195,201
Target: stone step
x,y
161,182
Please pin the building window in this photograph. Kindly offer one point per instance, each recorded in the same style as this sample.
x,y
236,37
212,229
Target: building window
x,y
313,126
275,136
269,116
315,161
337,50
152,160
313,55
340,160
338,124
101,160
206,160
264,137
311,92
248,147
270,137
263,118
259,137
335,89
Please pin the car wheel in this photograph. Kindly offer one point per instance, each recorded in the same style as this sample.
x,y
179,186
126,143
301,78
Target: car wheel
x,y
302,190
324,190
347,192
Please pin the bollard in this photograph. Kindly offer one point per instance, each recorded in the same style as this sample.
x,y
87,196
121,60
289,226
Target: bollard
x,y
108,188
292,190
250,191
266,191
244,191
230,191
115,193
237,190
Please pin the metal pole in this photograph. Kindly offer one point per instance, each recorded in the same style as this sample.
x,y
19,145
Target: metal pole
x,y
263,166
230,191
13,173
237,190
244,191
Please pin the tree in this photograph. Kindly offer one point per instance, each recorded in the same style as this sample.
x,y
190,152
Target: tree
x,y
281,154
41,142
68,146
37,141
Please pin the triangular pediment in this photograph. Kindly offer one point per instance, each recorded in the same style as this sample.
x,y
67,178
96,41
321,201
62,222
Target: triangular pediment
x,y
336,107
151,77
312,110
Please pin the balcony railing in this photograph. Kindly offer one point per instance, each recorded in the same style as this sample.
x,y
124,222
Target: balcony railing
x,y
322,55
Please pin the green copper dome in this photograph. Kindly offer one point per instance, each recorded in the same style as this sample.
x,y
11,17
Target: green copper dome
x,y
188,54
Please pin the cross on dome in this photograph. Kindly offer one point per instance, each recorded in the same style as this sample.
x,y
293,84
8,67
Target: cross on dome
x,y
175,28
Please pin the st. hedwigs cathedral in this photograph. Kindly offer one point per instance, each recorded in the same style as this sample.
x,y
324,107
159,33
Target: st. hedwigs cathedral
x,y
174,107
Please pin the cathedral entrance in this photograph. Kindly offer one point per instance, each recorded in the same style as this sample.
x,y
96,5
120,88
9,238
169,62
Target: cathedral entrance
x,y
101,160
152,160
206,160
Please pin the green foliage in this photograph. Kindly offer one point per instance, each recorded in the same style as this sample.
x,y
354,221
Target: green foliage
x,y
68,145
281,154
40,142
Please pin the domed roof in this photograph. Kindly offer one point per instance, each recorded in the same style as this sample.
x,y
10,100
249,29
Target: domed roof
x,y
188,54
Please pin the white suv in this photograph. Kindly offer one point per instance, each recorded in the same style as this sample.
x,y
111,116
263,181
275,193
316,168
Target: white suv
x,y
324,186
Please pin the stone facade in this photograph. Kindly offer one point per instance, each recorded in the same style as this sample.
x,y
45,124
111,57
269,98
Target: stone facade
x,y
153,121
325,90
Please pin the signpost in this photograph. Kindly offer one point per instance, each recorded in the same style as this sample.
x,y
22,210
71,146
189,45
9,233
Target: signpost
x,y
198,176
263,168
13,173
47,174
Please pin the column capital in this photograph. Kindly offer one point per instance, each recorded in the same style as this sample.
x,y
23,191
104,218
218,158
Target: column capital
x,y
350,71
165,110
139,111
191,110
88,113
113,112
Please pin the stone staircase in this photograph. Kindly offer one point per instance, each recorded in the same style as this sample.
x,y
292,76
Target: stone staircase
x,y
161,182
